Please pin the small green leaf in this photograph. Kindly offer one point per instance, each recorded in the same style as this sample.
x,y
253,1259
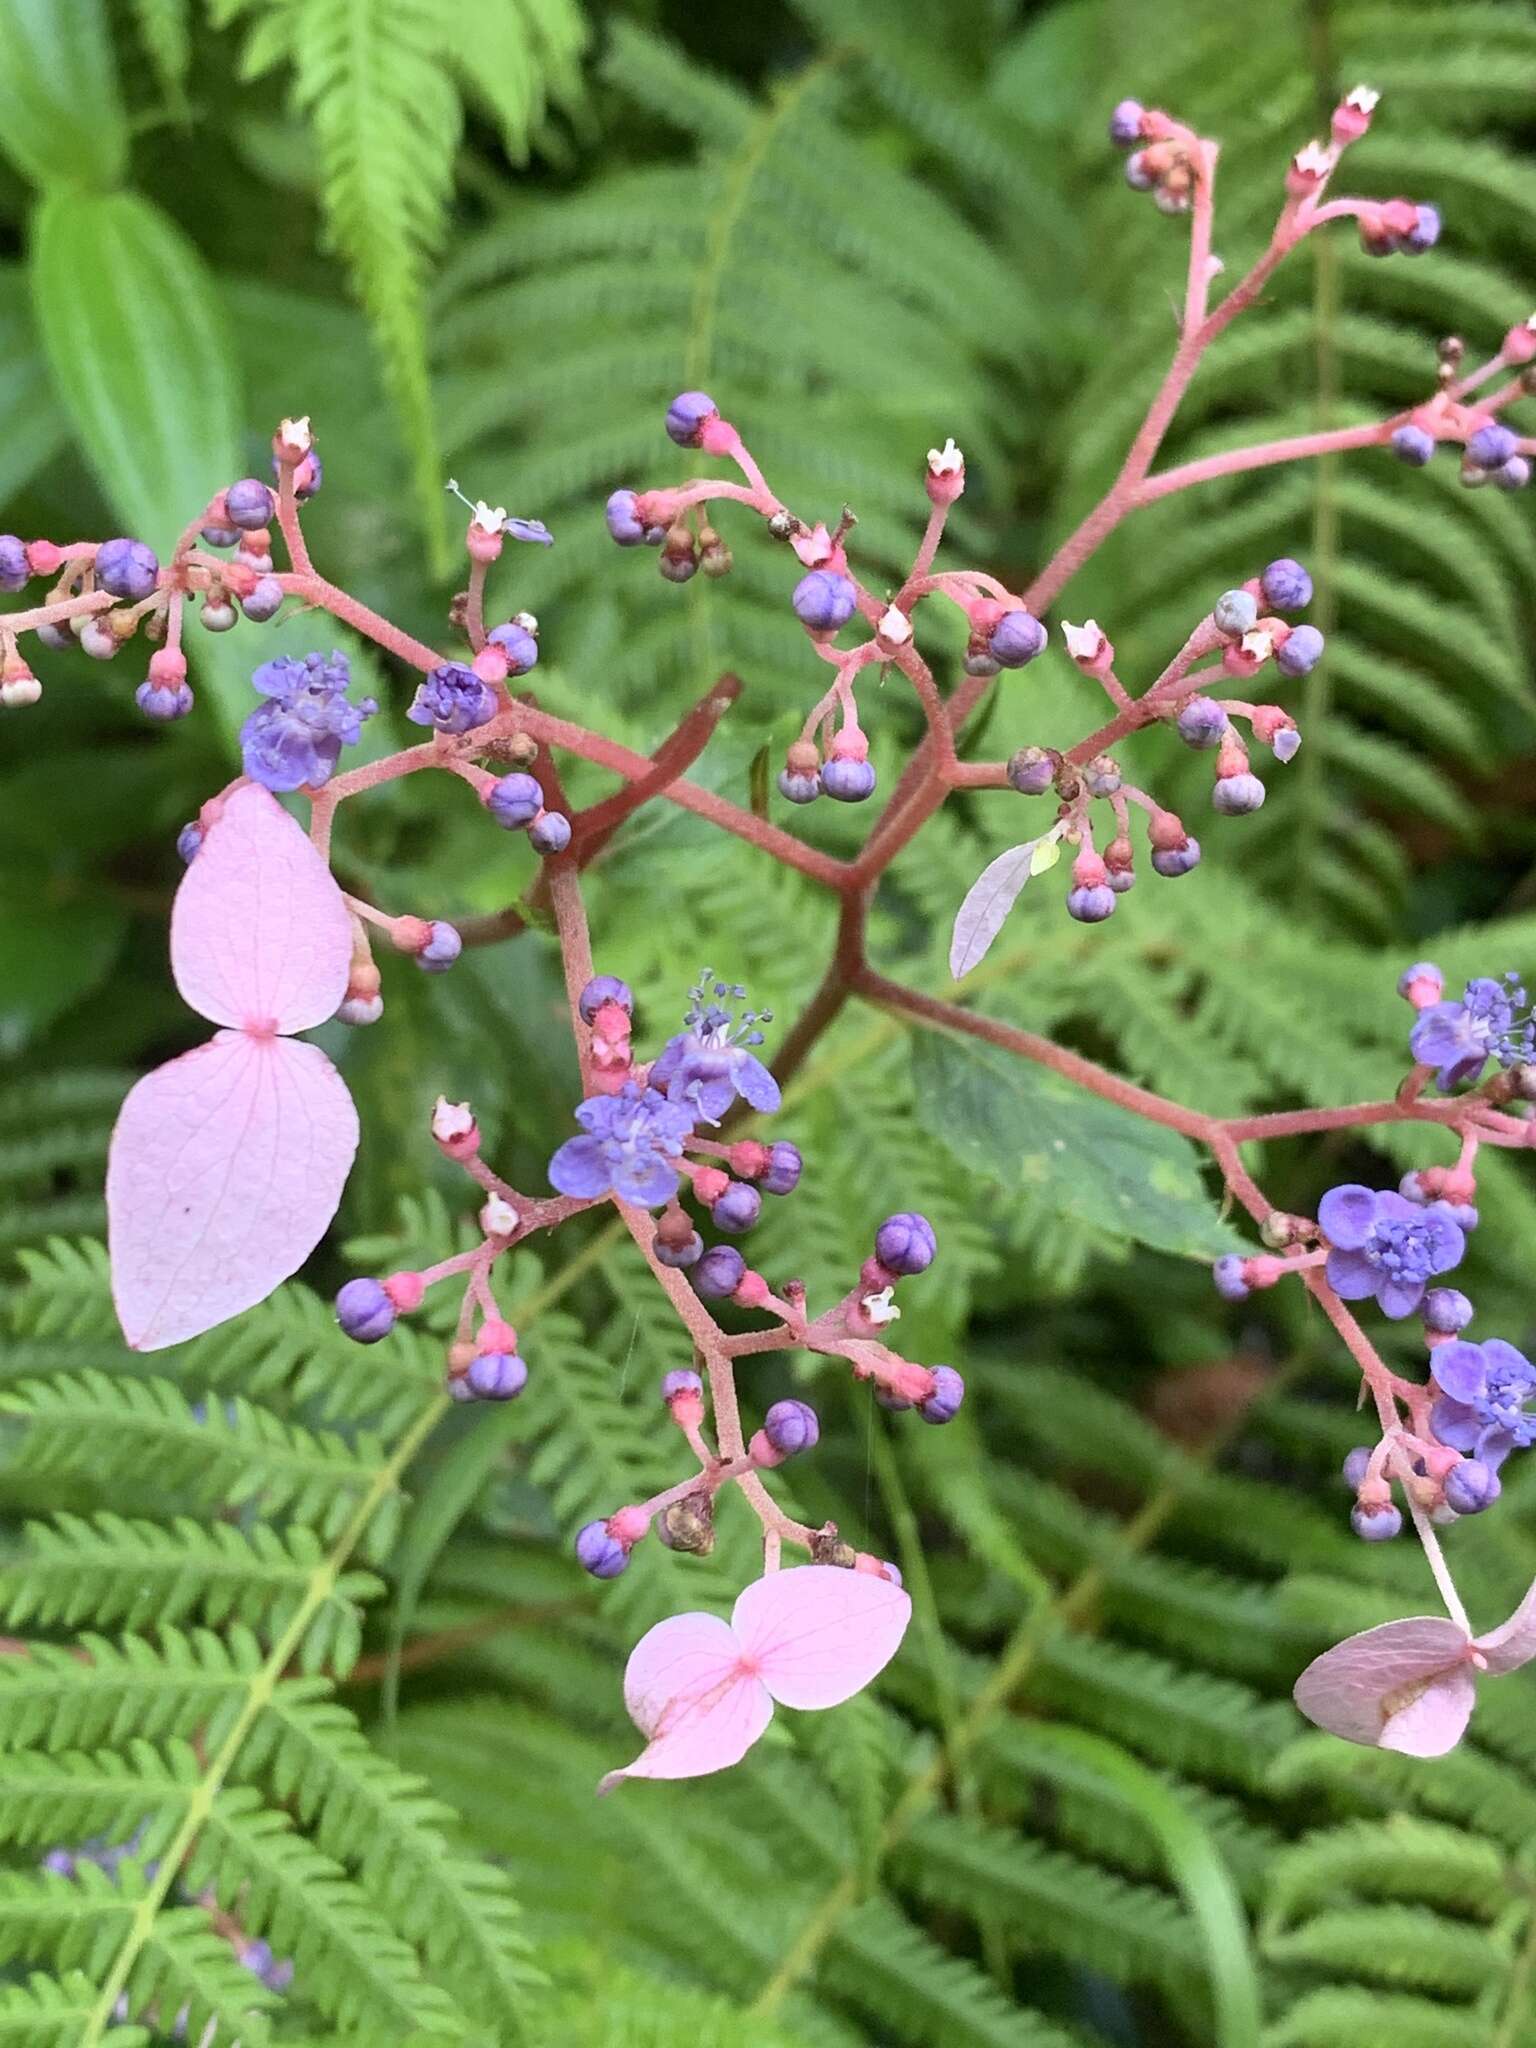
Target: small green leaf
x,y
757,782
1092,1160
61,119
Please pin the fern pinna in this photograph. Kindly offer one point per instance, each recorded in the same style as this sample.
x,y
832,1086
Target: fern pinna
x,y
209,1845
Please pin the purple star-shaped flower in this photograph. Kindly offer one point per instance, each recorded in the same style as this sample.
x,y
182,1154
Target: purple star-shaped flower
x,y
1459,1038
1385,1246
295,738
1485,1392
631,1139
711,1063
453,699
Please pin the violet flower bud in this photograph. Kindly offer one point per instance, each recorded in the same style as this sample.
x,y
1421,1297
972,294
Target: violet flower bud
x,y
943,1404
905,1243
127,568
249,504
824,601
850,782
443,947
515,801
1286,585
599,1552
738,1208
686,416
791,1427
784,1168
1377,1522
550,833
364,1311
1471,1486
718,1273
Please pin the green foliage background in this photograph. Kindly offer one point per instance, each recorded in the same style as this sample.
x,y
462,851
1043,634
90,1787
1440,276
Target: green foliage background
x,y
494,239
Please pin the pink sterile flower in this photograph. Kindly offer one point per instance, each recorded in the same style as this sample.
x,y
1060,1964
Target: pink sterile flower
x,y
228,1163
702,1690
1410,1685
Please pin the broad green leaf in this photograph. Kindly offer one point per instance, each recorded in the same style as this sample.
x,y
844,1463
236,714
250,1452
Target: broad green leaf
x,y
135,335
49,958
1031,1132
32,424
61,118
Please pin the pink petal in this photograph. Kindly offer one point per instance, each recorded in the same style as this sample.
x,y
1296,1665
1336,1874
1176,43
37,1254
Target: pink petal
x,y
819,1634
1514,1643
226,1166
261,937
685,1688
1434,1720
1348,1690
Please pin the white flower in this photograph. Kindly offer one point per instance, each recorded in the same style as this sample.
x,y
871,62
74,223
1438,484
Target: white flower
x,y
881,1308
489,518
895,628
1364,99
296,434
1083,642
527,622
1259,644
946,461
1314,161
22,690
451,1120
498,1218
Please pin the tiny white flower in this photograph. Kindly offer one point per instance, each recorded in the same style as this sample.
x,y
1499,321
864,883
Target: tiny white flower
x,y
489,518
451,1120
1364,99
22,691
895,628
527,622
881,1308
1314,161
1084,641
296,434
946,461
1259,644
498,1218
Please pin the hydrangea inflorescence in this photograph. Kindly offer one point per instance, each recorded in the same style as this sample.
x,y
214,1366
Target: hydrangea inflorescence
x,y
266,945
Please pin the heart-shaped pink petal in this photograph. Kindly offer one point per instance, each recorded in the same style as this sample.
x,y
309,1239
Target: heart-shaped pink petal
x,y
818,1634
1353,1689
686,1689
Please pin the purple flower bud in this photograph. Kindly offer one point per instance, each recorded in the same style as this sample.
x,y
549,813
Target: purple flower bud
x,y
1424,233
1031,771
1016,639
1091,906
1471,1486
1376,1524
603,1555
517,644
1228,1276
791,1427
164,701
57,639
943,1404
1137,176
1412,445
1201,722
1492,446
718,1273
799,789
217,615
1236,612
188,840
1513,475
1121,879
1446,1310
686,416
1421,970
675,1383
1235,795
264,602
515,801
14,571
1176,860
850,782
679,1255
624,521
497,1376
452,699
1286,744
1302,651
905,1243
249,504
1125,124
219,536
1355,1466
551,833
443,947
738,1208
601,989
1286,585
127,568
824,601
784,1169
364,1311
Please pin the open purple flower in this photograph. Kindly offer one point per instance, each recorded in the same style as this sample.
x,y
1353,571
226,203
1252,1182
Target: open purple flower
x,y
1385,1246
630,1141
1460,1038
453,699
1486,1396
711,1063
295,738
